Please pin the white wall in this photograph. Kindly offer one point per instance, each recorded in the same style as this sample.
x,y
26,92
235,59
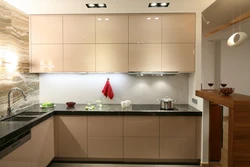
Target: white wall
x,y
60,88
235,66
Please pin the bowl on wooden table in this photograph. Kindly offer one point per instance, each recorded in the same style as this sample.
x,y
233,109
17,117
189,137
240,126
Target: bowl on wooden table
x,y
226,91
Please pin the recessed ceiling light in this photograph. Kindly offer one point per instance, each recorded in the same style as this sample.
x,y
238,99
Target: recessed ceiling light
x,y
153,4
106,18
148,18
96,5
161,4
101,4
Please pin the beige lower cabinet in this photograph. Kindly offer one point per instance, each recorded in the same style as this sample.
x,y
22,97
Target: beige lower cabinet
x,y
79,57
37,152
21,157
178,57
198,137
144,57
46,58
105,137
141,147
71,136
43,143
111,57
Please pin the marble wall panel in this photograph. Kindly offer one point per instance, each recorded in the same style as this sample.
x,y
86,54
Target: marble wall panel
x,y
14,59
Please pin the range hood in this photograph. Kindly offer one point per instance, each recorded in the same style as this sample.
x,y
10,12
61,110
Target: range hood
x,y
153,73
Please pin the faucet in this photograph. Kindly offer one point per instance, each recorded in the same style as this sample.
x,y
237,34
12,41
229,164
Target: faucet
x,y
15,88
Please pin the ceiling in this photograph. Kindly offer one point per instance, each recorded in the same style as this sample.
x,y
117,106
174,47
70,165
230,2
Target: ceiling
x,y
113,6
221,13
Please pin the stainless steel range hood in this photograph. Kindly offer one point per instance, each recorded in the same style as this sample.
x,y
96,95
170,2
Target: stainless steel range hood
x,y
153,73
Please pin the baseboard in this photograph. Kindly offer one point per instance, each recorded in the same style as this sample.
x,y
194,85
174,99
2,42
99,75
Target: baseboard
x,y
204,164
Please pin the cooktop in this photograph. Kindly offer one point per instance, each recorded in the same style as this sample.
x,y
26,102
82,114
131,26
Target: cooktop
x,y
148,107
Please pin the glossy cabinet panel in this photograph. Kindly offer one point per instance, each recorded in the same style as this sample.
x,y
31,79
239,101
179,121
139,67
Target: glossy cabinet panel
x,y
111,28
79,57
105,147
71,136
178,28
141,147
177,148
145,28
141,126
178,57
46,58
46,29
111,57
144,57
79,28
183,126
198,138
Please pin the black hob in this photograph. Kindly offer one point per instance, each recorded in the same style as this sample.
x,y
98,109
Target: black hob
x,y
148,107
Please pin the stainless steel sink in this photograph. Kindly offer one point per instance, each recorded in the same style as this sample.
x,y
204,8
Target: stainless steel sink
x,y
16,118
31,113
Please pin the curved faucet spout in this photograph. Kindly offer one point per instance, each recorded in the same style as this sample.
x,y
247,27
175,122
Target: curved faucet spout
x,y
14,89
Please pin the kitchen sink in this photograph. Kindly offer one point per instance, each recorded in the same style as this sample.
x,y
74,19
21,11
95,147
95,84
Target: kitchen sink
x,y
20,118
31,113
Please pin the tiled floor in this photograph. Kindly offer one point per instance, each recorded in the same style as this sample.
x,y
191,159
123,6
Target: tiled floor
x,y
114,165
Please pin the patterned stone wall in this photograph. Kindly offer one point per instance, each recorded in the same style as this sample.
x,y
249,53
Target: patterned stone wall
x,y
14,59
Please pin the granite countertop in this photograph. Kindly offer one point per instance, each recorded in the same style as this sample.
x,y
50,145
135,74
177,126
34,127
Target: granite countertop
x,y
9,130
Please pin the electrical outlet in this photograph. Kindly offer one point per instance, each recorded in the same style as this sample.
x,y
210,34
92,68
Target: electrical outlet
x,y
195,101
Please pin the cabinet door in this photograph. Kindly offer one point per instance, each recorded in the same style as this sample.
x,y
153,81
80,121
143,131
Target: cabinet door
x,y
178,57
178,28
144,57
21,157
111,28
71,136
79,57
145,28
79,29
141,147
46,29
141,126
46,58
112,57
43,143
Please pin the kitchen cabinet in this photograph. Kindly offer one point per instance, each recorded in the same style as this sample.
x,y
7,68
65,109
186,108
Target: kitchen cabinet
x,y
46,58
145,28
79,29
111,57
105,137
111,29
178,28
43,143
45,29
37,152
178,142
178,57
79,57
71,136
144,57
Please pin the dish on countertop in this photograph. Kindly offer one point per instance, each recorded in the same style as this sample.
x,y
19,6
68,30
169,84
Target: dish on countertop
x,y
47,106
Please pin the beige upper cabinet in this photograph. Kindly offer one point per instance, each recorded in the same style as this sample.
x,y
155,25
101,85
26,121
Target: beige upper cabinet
x,y
144,57
178,28
111,28
46,58
112,57
46,29
145,28
79,57
79,29
178,57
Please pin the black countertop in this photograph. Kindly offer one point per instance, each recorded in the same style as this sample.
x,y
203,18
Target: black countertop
x,y
9,130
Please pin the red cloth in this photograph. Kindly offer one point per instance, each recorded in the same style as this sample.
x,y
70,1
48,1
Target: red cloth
x,y
107,90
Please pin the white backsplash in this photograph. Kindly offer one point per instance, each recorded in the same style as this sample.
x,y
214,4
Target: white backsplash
x,y
61,88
